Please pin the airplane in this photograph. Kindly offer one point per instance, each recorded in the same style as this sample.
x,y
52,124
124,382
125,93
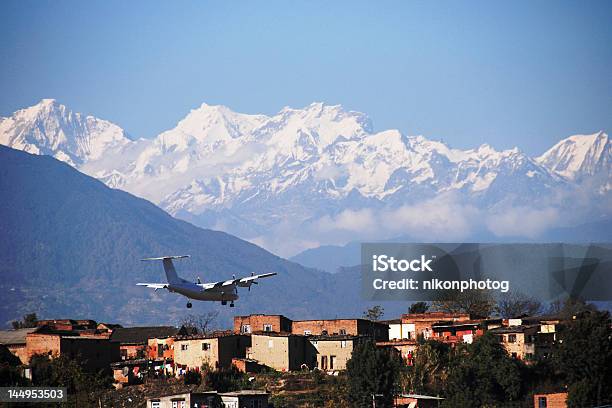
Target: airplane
x,y
222,291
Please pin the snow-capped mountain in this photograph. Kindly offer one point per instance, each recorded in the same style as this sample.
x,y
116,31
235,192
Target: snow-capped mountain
x,y
303,176
52,129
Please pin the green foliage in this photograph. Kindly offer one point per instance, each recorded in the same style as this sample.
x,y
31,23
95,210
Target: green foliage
x,y
585,358
65,372
371,371
10,372
418,307
374,313
482,374
192,377
225,379
29,320
428,372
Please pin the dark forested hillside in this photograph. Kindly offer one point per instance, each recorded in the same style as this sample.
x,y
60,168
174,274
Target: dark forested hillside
x,y
70,247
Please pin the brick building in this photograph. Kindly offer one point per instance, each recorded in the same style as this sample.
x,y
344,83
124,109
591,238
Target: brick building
x,y
341,327
556,400
420,324
262,322
133,341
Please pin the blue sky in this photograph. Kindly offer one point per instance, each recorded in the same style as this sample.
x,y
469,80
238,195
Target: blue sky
x,y
506,73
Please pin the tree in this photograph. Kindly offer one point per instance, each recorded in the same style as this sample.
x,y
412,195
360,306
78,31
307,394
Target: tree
x,y
202,323
418,307
372,371
482,374
374,313
428,370
29,320
515,304
584,356
477,303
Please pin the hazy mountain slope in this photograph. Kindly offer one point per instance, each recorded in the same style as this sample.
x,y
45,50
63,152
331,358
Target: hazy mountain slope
x,y
71,248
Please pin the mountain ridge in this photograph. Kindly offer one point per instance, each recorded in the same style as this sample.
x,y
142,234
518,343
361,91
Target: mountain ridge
x,y
261,176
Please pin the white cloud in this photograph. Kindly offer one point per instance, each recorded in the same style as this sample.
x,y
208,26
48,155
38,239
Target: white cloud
x,y
522,221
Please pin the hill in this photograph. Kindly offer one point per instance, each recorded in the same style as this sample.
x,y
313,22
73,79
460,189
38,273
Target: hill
x,y
70,247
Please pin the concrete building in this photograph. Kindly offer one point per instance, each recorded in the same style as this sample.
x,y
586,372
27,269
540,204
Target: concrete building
x,y
186,400
244,399
280,351
262,322
399,330
341,327
519,341
214,350
330,353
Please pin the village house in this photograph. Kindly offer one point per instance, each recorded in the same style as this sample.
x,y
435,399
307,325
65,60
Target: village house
x,y
280,351
212,399
341,327
465,331
93,351
133,341
555,400
330,353
262,322
399,330
519,341
15,342
160,348
421,324
417,401
214,350
244,399
186,400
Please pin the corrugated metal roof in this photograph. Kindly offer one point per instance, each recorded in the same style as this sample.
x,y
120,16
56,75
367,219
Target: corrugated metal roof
x,y
15,336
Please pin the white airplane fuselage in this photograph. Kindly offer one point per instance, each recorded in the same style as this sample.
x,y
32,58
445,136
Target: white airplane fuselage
x,y
197,292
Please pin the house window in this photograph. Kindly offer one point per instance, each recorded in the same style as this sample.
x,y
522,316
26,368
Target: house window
x,y
183,405
323,362
343,332
246,328
343,344
514,355
205,346
184,347
307,332
155,404
332,362
270,343
267,327
512,338
542,402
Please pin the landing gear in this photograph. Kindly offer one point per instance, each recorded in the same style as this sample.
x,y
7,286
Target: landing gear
x,y
224,302
232,304
189,305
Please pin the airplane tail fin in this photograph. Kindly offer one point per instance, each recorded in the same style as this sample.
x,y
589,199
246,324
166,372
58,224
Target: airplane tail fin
x,y
171,275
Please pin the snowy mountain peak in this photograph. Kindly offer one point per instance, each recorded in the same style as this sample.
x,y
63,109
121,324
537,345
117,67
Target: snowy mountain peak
x,y
51,128
579,156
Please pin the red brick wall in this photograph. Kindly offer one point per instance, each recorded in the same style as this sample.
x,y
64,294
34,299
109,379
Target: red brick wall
x,y
558,400
37,343
257,322
316,327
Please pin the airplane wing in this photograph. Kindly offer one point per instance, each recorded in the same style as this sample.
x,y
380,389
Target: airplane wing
x,y
242,282
154,285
